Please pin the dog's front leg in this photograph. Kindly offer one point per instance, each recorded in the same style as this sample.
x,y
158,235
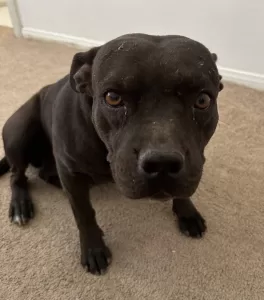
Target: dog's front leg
x,y
189,219
95,256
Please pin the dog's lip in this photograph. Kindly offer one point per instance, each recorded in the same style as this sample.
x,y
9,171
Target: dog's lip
x,y
161,195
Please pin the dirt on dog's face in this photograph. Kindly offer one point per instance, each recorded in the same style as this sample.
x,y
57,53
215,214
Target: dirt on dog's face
x,y
155,109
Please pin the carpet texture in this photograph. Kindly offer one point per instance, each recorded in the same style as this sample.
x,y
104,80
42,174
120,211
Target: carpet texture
x,y
152,260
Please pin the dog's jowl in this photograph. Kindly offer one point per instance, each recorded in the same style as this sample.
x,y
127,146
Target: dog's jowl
x,y
139,110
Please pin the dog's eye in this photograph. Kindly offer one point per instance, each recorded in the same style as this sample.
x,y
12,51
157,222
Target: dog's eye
x,y
203,101
113,99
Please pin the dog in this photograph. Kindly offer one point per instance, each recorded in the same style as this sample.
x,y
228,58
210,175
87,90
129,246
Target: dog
x,y
138,110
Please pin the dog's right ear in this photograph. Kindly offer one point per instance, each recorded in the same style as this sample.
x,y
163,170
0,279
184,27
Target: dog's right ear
x,y
81,71
214,57
221,85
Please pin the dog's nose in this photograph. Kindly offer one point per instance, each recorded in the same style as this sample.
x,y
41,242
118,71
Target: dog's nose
x,y
154,163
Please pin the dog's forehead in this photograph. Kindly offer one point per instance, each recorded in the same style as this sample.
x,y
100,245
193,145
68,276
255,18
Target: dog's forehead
x,y
135,56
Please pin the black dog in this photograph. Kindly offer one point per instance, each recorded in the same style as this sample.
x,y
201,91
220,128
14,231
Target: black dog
x,y
140,109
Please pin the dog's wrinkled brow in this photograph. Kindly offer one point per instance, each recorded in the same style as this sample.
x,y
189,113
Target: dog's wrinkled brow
x,y
131,73
121,81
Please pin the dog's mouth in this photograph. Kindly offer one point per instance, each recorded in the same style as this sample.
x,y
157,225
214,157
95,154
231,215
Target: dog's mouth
x,y
162,196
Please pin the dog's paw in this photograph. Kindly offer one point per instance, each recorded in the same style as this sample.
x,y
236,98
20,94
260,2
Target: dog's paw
x,y
21,210
193,226
96,260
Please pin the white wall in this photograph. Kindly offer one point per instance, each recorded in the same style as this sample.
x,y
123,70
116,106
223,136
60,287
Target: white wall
x,y
234,29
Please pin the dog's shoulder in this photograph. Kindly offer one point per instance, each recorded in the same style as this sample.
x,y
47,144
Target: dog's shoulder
x,y
72,131
54,88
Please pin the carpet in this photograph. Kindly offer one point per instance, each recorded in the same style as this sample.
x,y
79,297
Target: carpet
x,y
152,260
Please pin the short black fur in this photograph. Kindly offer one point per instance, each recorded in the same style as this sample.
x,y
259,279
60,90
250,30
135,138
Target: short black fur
x,y
151,143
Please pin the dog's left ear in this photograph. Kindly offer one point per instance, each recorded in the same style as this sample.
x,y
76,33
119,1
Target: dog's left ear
x,y
221,85
81,71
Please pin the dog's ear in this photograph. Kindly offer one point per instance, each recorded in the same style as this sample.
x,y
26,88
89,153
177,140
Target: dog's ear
x,y
214,57
221,85
81,71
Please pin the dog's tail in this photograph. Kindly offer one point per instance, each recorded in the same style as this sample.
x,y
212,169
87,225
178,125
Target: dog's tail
x,y
4,166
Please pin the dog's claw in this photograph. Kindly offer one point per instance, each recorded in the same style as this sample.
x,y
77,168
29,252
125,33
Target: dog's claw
x,y
193,226
21,212
97,260
17,220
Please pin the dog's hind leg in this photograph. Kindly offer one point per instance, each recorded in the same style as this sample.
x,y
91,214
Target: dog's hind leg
x,y
19,135
21,207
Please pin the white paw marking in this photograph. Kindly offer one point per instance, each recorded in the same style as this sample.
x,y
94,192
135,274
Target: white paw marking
x,y
17,220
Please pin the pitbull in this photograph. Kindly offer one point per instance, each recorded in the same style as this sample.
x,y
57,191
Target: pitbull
x,y
139,110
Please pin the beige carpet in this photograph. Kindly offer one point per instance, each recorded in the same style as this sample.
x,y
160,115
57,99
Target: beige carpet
x,y
152,260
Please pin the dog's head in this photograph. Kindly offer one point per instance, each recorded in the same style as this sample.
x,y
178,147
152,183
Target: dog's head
x,y
154,107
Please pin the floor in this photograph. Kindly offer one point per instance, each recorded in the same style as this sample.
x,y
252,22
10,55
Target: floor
x,y
151,259
4,17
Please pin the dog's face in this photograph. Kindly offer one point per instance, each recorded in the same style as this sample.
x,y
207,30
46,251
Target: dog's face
x,y
154,107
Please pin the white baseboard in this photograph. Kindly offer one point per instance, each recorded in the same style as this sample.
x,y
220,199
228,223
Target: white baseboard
x,y
252,80
60,38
